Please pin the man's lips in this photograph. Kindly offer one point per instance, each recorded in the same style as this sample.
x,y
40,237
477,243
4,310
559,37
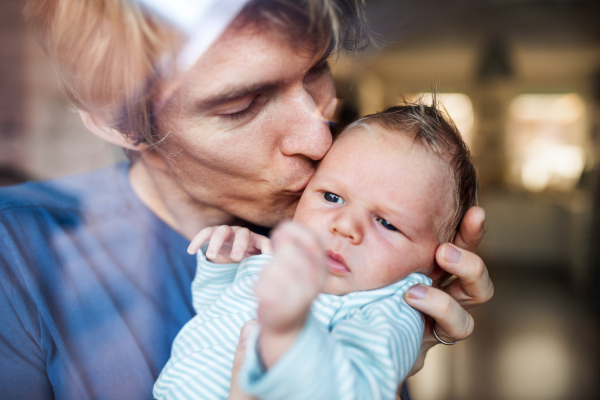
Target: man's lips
x,y
299,188
336,263
304,178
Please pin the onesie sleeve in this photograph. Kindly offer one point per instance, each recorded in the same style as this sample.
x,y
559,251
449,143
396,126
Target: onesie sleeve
x,y
364,356
210,281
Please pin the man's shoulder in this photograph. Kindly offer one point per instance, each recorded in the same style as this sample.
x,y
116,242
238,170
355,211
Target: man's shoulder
x,y
72,193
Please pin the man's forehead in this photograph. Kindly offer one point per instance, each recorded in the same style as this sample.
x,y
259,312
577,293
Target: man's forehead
x,y
245,61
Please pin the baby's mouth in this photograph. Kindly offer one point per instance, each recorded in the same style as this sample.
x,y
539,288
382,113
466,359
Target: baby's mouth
x,y
336,263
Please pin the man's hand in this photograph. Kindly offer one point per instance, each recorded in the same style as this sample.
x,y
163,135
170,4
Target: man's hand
x,y
446,306
240,352
286,288
230,243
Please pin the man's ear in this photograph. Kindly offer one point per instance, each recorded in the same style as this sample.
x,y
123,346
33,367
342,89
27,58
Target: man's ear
x,y
104,132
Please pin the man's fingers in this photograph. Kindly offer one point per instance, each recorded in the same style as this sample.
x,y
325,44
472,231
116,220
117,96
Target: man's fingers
x,y
452,321
471,229
219,236
473,286
200,239
234,392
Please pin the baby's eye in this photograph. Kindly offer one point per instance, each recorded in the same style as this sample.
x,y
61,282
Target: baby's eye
x,y
333,198
386,224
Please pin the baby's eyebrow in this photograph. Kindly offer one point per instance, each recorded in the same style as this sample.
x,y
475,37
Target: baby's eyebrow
x,y
400,221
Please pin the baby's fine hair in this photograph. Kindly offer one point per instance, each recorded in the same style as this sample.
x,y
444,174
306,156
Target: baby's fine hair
x,y
437,133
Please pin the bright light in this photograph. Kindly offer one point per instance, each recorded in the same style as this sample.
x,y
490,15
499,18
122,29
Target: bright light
x,y
534,367
459,108
557,108
545,138
546,163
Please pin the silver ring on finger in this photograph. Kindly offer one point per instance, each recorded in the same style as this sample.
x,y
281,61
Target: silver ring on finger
x,y
443,341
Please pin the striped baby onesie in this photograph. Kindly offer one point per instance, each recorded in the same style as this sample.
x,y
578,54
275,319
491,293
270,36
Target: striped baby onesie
x,y
357,346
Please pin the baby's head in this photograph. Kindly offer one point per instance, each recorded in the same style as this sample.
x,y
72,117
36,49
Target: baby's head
x,y
392,188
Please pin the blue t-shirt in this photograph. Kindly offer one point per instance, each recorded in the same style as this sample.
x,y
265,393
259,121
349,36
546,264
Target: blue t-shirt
x,y
93,289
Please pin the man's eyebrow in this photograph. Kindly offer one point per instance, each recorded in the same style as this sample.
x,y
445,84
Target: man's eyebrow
x,y
228,95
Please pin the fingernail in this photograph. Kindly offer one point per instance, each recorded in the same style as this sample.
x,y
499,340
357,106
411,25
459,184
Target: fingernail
x,y
248,329
417,292
210,254
452,254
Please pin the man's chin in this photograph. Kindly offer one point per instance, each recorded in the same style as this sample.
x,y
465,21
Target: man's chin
x,y
269,216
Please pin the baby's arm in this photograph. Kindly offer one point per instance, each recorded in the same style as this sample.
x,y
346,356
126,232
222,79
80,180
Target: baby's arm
x,y
286,288
186,369
364,357
228,245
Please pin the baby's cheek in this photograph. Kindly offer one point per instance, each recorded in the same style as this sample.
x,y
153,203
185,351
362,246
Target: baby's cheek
x,y
305,218
384,274
395,271
315,220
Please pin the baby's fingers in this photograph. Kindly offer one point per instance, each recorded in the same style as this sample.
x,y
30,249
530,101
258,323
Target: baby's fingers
x,y
219,236
240,244
264,244
300,236
200,239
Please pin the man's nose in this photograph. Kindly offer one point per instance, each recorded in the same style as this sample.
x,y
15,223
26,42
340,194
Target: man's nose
x,y
307,131
349,224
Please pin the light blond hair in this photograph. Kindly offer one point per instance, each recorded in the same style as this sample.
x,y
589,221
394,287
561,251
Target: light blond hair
x,y
107,52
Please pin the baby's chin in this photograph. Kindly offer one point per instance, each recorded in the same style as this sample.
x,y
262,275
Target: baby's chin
x,y
340,286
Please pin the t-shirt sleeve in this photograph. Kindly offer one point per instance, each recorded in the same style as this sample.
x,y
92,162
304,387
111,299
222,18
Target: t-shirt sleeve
x,y
365,356
22,362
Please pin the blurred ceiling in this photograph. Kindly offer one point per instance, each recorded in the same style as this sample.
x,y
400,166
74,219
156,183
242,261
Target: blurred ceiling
x,y
534,22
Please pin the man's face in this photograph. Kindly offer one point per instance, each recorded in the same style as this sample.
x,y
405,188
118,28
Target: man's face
x,y
244,130
374,203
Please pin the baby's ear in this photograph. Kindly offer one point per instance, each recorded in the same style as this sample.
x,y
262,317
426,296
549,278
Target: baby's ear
x,y
99,128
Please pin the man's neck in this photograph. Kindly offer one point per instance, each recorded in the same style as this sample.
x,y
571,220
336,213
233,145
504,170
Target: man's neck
x,y
156,188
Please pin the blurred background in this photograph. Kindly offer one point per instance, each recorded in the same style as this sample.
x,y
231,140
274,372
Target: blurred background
x,y
521,79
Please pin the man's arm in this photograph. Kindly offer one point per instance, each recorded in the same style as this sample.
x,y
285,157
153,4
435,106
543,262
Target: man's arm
x,y
22,363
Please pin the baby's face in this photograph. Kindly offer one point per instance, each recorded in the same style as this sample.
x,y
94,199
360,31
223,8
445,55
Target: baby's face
x,y
374,202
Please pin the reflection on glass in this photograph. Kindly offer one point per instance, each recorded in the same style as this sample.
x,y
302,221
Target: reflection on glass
x,y
545,140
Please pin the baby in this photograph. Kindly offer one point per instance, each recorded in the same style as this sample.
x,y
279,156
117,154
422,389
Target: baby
x,y
333,320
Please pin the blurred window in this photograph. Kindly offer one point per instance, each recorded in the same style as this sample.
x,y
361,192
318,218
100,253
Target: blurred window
x,y
459,108
545,141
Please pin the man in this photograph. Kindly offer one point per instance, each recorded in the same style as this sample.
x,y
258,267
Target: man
x,y
94,278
